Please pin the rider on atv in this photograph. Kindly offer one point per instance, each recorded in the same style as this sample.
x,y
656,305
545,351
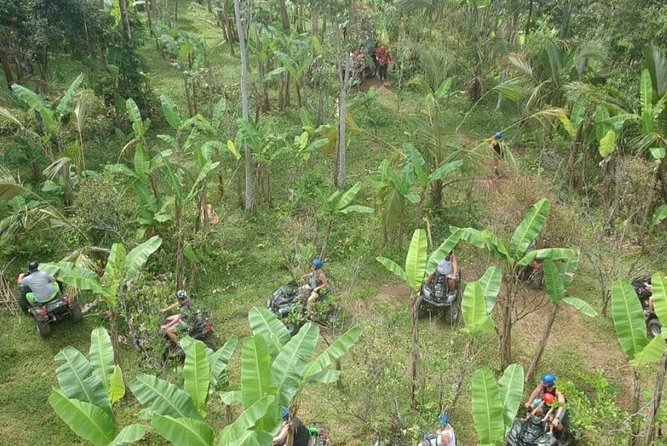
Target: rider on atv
x,y
37,287
448,268
293,425
317,283
184,305
547,386
444,436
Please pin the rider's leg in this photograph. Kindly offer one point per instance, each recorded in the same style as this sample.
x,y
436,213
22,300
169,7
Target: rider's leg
x,y
170,334
312,298
30,297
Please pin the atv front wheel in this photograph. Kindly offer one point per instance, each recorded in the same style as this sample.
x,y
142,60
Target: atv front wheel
x,y
43,327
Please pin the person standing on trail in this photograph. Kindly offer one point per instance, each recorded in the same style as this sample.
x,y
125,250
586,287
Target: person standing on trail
x,y
498,153
383,57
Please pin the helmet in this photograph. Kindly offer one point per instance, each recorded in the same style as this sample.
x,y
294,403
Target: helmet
x,y
548,379
181,295
549,399
443,418
498,135
284,411
32,266
318,263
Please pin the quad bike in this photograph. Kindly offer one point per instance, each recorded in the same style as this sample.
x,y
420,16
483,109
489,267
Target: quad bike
x,y
437,295
289,303
533,274
200,328
642,286
535,432
58,307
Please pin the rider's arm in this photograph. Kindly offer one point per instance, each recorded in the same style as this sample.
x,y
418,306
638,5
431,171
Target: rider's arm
x,y
536,392
20,279
455,264
561,404
169,308
323,279
282,436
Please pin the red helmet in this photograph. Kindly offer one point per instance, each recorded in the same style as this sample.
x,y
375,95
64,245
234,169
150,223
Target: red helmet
x,y
549,399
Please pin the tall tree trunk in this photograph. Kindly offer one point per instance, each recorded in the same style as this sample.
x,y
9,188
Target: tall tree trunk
x,y
315,21
655,402
530,17
506,334
284,18
6,67
226,29
572,157
416,299
180,276
243,43
342,114
535,363
634,410
125,19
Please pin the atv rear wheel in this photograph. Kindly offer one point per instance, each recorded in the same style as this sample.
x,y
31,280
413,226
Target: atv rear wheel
x,y
77,314
43,327
210,343
653,328
23,303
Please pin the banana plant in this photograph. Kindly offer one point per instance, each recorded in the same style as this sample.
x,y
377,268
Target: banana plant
x,y
51,130
628,316
558,277
494,405
339,203
274,369
89,387
514,255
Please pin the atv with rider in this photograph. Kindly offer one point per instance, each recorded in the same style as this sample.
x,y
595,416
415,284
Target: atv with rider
x,y
53,306
642,286
198,326
289,303
436,295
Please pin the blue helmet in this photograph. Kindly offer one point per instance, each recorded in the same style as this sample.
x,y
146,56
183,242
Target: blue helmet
x,y
498,135
443,418
318,263
284,411
548,379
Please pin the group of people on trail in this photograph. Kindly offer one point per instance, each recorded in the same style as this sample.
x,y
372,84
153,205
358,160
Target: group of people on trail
x,y
381,57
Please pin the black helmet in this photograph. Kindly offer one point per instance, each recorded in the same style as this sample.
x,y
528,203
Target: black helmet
x,y
181,295
33,266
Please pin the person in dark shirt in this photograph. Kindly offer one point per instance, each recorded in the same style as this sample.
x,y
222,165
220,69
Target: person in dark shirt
x,y
497,152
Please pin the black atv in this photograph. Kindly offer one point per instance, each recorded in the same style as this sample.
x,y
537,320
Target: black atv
x,y
642,286
289,303
535,432
200,327
59,307
436,295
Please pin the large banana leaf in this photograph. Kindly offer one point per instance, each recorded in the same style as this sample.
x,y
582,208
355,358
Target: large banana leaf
x,y
441,251
78,379
256,377
646,98
219,360
247,420
249,438
135,116
628,318
113,273
347,197
393,267
183,431
315,370
490,283
162,397
415,261
547,253
171,113
35,101
487,409
568,267
474,309
129,435
529,228
142,163
63,104
484,240
554,281
290,364
101,355
264,322
581,305
86,420
69,274
138,257
116,390
196,374
652,352
659,290
511,388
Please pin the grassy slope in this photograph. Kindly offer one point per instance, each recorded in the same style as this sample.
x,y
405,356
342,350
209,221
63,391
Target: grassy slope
x,y
375,383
